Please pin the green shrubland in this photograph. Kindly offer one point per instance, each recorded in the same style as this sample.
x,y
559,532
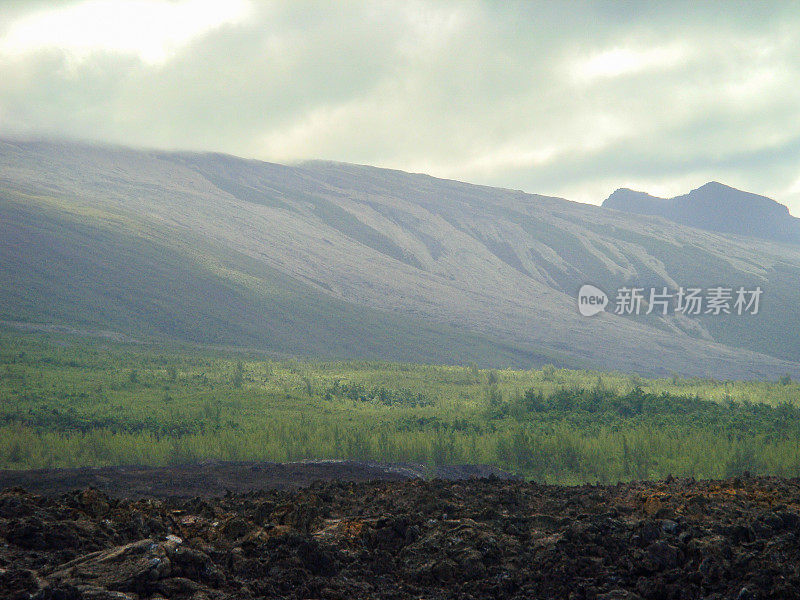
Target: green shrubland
x,y
66,402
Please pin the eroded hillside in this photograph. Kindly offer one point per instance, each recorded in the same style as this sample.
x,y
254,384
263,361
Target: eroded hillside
x,y
331,260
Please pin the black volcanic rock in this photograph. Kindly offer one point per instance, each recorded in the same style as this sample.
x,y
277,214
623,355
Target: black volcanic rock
x,y
476,538
715,207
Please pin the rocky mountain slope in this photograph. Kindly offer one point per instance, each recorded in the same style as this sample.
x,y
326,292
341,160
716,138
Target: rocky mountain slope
x,y
339,260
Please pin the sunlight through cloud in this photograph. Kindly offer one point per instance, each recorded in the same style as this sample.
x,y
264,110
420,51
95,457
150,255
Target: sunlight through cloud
x,y
153,31
619,62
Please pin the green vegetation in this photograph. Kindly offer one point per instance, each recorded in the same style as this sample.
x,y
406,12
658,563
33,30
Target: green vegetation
x,y
69,402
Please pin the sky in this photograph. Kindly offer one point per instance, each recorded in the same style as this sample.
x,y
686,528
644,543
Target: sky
x,y
572,99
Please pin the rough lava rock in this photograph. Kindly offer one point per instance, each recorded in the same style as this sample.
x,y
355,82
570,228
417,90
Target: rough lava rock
x,y
479,538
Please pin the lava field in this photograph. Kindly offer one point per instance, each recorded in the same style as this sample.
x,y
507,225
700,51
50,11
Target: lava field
x,y
421,539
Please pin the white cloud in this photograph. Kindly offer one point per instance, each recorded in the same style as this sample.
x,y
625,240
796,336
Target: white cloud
x,y
623,61
557,98
320,128
151,30
791,196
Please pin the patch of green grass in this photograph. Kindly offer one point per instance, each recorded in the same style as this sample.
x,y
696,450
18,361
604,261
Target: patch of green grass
x,y
69,402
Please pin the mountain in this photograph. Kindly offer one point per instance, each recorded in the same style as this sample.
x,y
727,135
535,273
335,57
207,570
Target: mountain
x,y
347,261
716,207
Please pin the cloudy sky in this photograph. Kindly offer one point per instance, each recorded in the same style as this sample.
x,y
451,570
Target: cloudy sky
x,y
570,99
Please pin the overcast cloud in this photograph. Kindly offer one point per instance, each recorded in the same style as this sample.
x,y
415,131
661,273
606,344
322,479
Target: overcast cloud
x,y
567,99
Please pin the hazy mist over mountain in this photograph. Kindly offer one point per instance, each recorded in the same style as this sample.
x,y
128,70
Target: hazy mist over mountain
x,y
571,99
148,230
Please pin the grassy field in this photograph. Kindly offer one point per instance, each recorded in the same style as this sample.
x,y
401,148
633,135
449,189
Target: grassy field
x,y
68,402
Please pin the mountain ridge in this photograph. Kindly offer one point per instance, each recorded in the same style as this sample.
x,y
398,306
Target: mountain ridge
x,y
337,260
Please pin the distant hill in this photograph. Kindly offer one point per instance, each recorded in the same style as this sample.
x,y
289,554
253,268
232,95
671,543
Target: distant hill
x,y
337,260
716,207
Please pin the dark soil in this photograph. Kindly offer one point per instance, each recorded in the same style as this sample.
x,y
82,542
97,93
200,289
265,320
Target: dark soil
x,y
474,538
214,478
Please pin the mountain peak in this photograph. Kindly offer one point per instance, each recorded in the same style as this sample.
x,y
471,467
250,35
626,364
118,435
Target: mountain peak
x,y
717,186
715,206
628,200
